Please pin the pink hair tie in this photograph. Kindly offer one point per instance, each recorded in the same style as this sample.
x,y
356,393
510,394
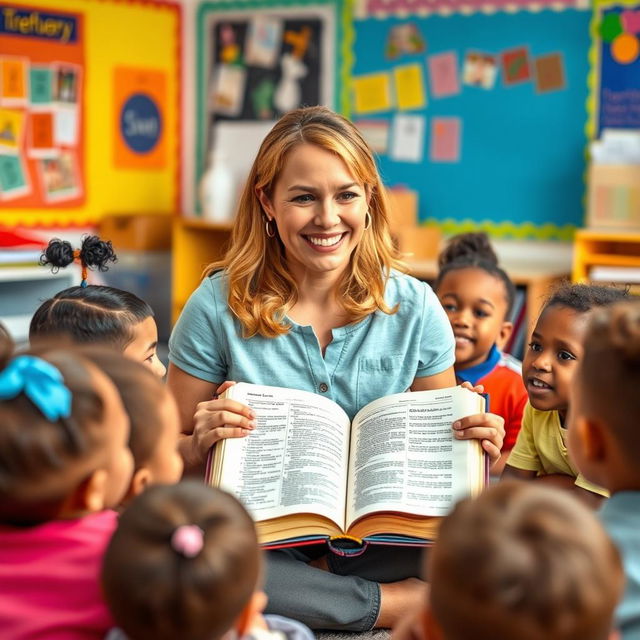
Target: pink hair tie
x,y
188,540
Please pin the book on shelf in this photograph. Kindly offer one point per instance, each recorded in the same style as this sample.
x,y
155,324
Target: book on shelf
x,y
307,474
603,273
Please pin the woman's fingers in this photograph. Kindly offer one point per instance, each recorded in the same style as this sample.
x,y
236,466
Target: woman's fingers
x,y
220,433
224,386
225,404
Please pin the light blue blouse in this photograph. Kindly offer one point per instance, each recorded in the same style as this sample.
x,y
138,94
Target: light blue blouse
x,y
377,356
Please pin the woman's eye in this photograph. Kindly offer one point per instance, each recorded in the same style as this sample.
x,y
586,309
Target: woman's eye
x,y
565,355
306,197
348,195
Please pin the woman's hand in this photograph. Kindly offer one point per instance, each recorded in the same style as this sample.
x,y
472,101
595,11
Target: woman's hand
x,y
218,419
486,427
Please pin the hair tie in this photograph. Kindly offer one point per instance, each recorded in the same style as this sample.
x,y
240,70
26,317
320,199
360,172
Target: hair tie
x,y
41,382
77,255
188,540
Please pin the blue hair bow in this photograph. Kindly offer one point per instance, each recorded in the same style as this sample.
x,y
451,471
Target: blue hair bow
x,y
41,382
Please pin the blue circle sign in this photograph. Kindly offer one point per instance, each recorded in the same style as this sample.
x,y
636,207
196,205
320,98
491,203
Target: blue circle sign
x,y
140,123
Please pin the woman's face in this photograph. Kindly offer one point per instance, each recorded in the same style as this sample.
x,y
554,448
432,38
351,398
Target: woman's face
x,y
318,209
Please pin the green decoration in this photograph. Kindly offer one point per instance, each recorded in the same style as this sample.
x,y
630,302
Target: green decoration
x,y
611,27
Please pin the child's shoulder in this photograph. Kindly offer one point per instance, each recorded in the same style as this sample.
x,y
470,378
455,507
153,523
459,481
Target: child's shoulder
x,y
510,363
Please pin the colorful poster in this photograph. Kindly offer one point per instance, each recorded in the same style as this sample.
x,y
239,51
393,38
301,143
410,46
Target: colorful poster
x,y
410,89
445,139
480,70
408,138
404,39
371,93
515,66
59,177
264,41
376,133
11,130
13,81
13,178
41,86
228,88
550,73
140,105
443,72
41,143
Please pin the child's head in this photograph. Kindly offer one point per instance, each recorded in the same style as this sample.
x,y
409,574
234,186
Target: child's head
x,y
523,562
155,426
604,439
183,563
557,343
96,314
477,296
63,435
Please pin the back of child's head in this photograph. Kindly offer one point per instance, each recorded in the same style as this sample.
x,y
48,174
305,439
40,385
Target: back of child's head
x,y
523,562
183,563
56,428
581,298
93,314
609,376
473,251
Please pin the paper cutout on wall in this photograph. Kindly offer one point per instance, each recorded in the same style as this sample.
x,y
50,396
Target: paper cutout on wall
x,y
371,93
480,70
410,89
40,143
11,130
404,39
376,133
408,138
59,177
625,48
262,99
550,74
230,52
445,139
443,73
228,89
263,42
41,86
13,82
515,66
13,178
65,126
288,93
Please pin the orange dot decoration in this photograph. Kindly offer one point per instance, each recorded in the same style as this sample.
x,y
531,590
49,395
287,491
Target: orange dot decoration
x,y
625,48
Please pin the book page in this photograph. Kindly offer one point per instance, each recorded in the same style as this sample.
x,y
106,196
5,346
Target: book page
x,y
295,461
404,456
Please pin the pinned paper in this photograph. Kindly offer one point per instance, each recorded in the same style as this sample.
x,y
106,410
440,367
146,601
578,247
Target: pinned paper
x,y
13,81
11,130
404,38
550,73
230,50
288,93
445,139
40,86
409,84
371,93
408,138
262,99
59,177
65,126
443,72
263,42
13,178
228,90
66,84
376,133
480,70
41,142
515,66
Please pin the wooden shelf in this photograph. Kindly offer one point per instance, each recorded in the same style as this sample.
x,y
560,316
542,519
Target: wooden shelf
x,y
603,248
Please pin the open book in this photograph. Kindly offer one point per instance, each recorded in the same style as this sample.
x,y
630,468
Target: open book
x,y
307,474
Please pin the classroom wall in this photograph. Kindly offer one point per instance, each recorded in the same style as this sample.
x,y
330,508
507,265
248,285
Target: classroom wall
x,y
143,36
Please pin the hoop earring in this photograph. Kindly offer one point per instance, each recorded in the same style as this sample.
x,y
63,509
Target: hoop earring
x,y
369,220
268,230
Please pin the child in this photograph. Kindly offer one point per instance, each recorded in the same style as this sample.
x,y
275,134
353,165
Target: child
x,y
196,547
549,364
478,296
521,562
604,438
64,462
153,438
94,313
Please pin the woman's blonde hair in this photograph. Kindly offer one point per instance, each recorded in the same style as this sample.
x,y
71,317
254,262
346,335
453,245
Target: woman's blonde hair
x,y
261,287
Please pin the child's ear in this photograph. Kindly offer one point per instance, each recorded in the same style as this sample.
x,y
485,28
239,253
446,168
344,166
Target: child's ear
x,y
141,480
504,335
93,490
265,201
251,615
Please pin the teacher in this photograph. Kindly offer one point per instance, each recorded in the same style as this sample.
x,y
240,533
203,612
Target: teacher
x,y
311,295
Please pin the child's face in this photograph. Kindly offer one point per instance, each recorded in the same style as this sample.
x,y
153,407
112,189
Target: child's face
x,y
165,465
476,304
119,460
143,346
551,359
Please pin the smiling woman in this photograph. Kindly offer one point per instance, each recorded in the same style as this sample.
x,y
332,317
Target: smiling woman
x,y
310,296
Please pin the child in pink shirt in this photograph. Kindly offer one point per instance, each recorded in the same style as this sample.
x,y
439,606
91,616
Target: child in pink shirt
x,y
64,463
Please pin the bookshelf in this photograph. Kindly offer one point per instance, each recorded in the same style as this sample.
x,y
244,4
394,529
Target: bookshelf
x,y
606,256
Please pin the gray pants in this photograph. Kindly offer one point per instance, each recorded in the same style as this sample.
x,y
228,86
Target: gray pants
x,y
347,597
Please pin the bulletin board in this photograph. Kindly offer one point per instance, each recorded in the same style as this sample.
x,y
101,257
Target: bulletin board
x,y
259,59
125,92
615,57
482,113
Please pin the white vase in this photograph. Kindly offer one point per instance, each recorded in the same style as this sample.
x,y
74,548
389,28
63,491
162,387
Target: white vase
x,y
218,190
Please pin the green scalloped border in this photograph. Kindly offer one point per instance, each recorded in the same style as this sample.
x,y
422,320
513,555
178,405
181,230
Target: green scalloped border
x,y
343,56
505,230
